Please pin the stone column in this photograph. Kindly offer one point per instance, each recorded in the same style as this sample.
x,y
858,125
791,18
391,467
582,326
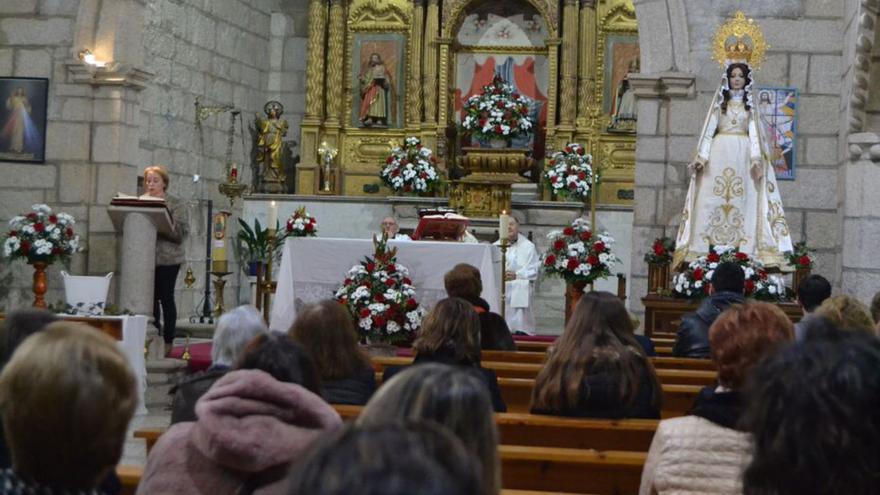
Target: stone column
x,y
568,90
315,78
335,55
432,25
587,55
860,267
414,105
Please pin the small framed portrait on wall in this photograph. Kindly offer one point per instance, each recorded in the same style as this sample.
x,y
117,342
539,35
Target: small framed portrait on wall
x,y
23,102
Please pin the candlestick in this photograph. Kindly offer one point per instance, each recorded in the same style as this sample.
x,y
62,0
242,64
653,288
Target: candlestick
x,y
218,243
273,216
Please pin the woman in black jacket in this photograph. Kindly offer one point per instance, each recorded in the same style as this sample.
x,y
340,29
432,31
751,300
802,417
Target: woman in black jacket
x,y
327,333
597,368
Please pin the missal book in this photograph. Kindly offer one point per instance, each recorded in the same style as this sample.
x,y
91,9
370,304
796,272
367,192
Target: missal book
x,y
444,227
144,200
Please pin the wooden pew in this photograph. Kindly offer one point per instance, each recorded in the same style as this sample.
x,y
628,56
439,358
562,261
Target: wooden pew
x,y
150,436
571,470
533,346
514,356
663,350
129,477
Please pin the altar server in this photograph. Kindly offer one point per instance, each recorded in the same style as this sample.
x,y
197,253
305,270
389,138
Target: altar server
x,y
520,273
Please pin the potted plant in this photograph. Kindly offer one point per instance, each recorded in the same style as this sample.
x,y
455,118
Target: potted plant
x,y
801,258
498,114
569,173
659,259
411,169
252,246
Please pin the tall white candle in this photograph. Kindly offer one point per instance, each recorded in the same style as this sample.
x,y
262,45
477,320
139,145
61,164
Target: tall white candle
x,y
503,225
273,215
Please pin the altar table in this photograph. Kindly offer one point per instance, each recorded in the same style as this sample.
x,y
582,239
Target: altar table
x,y
313,269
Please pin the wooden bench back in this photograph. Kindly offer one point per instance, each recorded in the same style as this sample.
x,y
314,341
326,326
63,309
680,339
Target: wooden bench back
x,y
571,470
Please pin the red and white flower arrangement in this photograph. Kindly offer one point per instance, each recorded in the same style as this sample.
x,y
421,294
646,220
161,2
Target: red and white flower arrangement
x,y
661,251
569,172
41,236
693,282
578,255
499,112
801,257
381,298
411,168
301,224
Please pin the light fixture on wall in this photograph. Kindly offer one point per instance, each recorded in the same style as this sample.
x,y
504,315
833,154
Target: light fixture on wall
x,y
88,57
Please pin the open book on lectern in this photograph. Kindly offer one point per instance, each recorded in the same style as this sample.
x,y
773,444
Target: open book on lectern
x,y
442,227
145,200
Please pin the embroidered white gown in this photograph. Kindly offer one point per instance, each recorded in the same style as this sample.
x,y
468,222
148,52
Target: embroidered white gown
x,y
725,206
522,259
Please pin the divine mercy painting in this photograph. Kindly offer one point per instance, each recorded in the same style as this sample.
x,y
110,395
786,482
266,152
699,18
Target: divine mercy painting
x,y
23,119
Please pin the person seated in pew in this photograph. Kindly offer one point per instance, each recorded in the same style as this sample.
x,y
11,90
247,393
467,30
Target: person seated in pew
x,y
726,289
597,368
847,313
252,425
392,458
235,329
450,334
706,451
453,397
464,281
811,292
327,333
66,396
812,414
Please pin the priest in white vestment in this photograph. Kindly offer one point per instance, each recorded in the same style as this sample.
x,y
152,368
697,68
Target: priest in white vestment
x,y
392,228
520,273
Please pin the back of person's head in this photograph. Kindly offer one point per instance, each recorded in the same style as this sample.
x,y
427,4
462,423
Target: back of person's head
x,y
393,458
235,329
744,334
453,325
21,324
66,397
599,333
847,313
812,410
278,355
463,281
327,333
729,277
812,291
875,307
456,398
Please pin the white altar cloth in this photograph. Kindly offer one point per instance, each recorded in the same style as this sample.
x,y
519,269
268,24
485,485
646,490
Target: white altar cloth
x,y
314,268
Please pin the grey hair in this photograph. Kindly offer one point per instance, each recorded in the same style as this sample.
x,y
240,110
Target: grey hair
x,y
234,331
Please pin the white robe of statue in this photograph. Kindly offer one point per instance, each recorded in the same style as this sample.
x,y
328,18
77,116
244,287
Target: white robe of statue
x,y
522,259
725,205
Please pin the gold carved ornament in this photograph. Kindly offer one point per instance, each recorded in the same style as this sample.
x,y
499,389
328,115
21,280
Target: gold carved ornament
x,y
739,38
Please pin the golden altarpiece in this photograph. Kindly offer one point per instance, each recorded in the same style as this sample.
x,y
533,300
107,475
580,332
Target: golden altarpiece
x,y
416,61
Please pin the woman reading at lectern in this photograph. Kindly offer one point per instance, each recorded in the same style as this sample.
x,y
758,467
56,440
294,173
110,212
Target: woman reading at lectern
x,y
170,253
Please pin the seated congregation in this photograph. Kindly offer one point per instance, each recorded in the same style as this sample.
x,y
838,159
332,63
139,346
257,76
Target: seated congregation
x,y
778,410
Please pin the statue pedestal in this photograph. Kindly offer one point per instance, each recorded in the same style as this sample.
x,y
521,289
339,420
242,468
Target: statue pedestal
x,y
486,190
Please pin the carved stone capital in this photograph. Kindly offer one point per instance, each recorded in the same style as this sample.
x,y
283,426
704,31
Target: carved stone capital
x,y
111,75
663,85
588,4
864,146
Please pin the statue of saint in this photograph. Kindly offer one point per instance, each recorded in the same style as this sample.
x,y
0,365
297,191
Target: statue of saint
x,y
377,88
270,143
625,112
733,199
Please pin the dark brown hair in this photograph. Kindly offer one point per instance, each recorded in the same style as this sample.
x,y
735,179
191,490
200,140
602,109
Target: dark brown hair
x,y
743,335
278,355
463,281
453,324
327,333
747,75
599,333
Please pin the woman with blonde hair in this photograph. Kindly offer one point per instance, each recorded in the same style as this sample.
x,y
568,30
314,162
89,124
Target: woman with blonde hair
x,y
451,396
847,313
597,368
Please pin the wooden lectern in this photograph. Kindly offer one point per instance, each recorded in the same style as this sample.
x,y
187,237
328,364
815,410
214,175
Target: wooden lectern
x,y
139,221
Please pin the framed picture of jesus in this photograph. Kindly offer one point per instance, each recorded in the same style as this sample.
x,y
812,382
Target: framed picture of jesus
x,y
23,102
378,85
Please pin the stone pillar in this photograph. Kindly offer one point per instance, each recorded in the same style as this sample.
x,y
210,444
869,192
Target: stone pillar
x,y
568,91
314,78
138,262
414,105
335,55
432,25
587,62
860,267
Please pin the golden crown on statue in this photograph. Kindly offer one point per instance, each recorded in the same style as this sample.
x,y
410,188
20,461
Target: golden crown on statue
x,y
739,40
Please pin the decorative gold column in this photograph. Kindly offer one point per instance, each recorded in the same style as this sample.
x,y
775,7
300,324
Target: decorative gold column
x,y
414,116
311,124
432,25
587,63
335,64
553,76
568,92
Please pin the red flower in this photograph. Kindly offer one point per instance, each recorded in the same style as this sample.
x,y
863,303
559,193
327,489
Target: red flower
x,y
593,260
750,286
407,281
568,231
568,149
390,282
411,303
559,245
69,232
310,227
498,129
56,250
423,175
289,226
364,313
371,266
13,233
378,321
762,275
572,263
582,175
572,186
599,247
742,256
391,268
32,216
580,151
713,258
389,314
805,260
25,246
347,282
53,219
698,274
380,298
550,261
389,160
39,227
586,235
659,250
407,188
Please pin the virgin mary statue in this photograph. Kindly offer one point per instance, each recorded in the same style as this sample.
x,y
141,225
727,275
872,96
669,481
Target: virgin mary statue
x,y
733,199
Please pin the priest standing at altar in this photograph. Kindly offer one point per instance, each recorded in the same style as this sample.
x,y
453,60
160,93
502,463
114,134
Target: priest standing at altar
x,y
520,273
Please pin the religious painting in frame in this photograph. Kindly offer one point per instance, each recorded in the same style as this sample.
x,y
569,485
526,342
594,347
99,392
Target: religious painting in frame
x,y
377,77
778,109
621,58
23,103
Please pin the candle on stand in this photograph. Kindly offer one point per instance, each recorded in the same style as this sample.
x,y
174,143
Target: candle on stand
x,y
219,263
233,173
503,225
273,216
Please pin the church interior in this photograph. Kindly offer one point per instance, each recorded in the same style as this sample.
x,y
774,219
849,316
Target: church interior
x,y
165,162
